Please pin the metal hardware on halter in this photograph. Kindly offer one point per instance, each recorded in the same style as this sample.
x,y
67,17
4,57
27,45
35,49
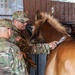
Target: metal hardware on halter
x,y
61,40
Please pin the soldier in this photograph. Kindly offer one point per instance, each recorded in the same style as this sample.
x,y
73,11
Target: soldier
x,y
20,21
20,35
11,59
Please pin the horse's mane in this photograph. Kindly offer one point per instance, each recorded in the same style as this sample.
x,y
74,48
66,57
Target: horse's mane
x,y
54,22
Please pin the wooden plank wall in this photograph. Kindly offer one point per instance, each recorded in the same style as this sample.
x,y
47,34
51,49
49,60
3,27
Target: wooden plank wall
x,y
32,6
63,11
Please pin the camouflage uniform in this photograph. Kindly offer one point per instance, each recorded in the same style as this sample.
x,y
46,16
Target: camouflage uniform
x,y
23,43
39,48
11,60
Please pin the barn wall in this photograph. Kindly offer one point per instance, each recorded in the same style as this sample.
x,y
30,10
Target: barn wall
x,y
31,6
63,11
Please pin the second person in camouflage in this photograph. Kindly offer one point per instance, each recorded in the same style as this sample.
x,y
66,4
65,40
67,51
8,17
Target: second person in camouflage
x,y
11,59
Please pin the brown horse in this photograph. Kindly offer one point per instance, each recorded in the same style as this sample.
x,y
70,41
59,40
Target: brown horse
x,y
61,61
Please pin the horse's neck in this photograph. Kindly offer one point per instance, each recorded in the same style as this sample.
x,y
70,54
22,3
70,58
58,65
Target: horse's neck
x,y
50,34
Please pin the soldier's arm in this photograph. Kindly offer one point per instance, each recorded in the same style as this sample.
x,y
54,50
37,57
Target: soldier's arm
x,y
40,48
12,39
43,48
18,65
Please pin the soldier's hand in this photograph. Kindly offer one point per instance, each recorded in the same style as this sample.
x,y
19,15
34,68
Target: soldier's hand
x,y
53,45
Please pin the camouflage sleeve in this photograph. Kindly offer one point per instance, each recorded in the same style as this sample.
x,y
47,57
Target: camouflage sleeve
x,y
17,63
11,63
12,39
40,48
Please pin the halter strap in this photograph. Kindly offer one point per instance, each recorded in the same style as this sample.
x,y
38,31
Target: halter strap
x,y
61,40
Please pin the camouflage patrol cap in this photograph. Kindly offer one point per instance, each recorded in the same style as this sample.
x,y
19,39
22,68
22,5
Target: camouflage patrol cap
x,y
20,16
6,23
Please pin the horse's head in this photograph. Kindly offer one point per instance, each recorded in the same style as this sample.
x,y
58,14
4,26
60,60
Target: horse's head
x,y
36,33
38,15
48,28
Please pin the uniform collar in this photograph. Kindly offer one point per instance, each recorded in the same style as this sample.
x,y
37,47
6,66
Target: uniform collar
x,y
3,39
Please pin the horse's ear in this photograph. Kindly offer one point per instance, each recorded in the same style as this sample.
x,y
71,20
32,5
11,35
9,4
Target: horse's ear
x,y
38,12
37,16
